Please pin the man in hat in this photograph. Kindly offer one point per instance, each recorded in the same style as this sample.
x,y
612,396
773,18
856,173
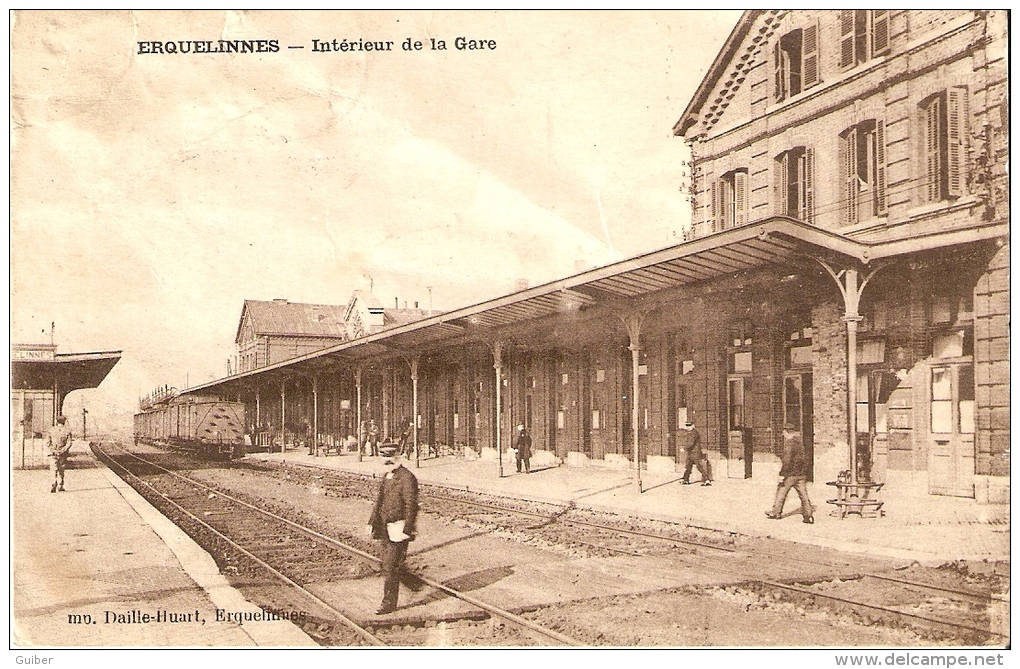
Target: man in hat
x,y
689,440
523,446
794,472
393,522
407,440
59,439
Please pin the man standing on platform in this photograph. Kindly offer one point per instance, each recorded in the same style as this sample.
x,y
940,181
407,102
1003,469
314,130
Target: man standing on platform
x,y
393,522
523,446
373,436
794,473
689,440
60,448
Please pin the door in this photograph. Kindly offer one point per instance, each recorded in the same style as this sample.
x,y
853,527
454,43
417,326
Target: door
x,y
951,430
739,448
798,409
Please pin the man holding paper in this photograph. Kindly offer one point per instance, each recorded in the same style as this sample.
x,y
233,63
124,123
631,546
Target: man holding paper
x,y
393,522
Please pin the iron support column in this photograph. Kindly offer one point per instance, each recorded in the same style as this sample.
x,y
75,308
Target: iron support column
x,y
314,449
357,382
413,362
851,286
497,364
632,322
258,414
283,416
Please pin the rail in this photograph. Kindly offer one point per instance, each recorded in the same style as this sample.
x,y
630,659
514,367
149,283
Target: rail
x,y
361,631
491,609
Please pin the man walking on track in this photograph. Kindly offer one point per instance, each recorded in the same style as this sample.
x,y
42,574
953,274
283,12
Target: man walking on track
x,y
393,522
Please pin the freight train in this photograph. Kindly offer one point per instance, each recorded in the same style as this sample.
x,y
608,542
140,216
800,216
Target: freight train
x,y
204,426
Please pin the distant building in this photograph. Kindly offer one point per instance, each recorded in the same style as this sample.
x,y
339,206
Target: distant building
x,y
271,331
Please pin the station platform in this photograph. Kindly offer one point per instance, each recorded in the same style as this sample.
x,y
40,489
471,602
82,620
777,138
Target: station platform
x,y
91,562
928,529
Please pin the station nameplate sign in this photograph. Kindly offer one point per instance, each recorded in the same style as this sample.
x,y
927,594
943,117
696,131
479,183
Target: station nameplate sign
x,y
33,353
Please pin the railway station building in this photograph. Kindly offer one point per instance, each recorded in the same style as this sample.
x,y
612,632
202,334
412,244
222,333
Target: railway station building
x,y
847,272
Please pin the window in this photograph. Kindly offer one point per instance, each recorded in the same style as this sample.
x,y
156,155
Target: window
x,y
795,62
863,35
944,153
729,201
793,189
862,155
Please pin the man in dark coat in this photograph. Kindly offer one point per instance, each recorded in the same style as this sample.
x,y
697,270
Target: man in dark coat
x,y
523,446
689,440
794,473
393,522
406,440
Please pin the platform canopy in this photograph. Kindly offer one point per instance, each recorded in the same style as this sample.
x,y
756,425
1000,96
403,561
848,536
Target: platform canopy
x,y
777,241
40,367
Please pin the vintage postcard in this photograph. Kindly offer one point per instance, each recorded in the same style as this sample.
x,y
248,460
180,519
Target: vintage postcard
x,y
505,329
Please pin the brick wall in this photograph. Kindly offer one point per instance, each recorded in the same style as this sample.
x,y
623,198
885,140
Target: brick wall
x,y
828,344
991,358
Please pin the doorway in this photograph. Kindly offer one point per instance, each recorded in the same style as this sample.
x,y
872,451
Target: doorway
x,y
951,430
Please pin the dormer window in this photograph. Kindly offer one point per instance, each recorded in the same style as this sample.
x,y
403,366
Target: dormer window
x,y
795,62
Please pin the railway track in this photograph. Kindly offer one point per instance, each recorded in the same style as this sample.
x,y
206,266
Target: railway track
x,y
291,552
899,605
909,608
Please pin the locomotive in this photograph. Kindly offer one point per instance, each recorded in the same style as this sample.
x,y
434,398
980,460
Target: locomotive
x,y
205,426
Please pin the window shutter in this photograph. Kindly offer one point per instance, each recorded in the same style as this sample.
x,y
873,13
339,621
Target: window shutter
x,y
810,55
739,198
807,183
724,214
848,157
779,185
956,131
846,38
881,207
932,150
713,208
879,32
778,92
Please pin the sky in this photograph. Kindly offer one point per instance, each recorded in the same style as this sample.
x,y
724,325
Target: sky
x,y
151,194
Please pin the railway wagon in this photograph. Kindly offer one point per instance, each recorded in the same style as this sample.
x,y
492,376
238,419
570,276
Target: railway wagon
x,y
208,427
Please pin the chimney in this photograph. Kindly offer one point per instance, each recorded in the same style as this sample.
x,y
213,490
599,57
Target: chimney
x,y
520,284
405,304
396,303
416,304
